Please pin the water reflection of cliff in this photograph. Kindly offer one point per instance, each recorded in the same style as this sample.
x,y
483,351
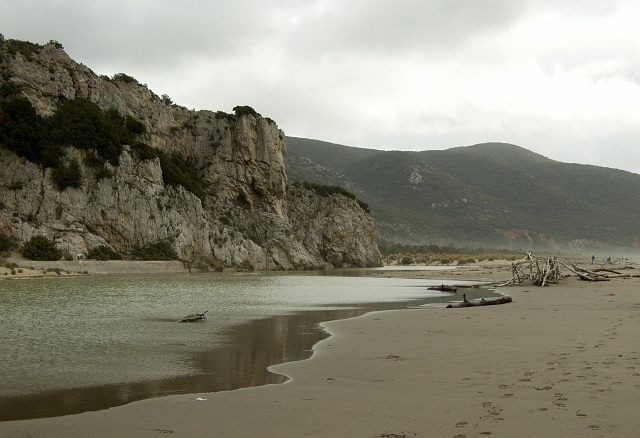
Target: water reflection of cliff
x,y
243,362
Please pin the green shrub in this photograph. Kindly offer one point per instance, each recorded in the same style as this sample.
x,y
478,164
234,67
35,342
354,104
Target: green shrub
x,y
122,77
397,248
363,205
156,251
144,151
5,242
10,89
245,110
67,176
103,252
93,160
82,124
220,115
55,44
134,126
40,248
178,170
325,190
166,99
406,260
25,48
22,130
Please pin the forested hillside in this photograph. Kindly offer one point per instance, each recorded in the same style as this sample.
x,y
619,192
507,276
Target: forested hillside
x,y
493,194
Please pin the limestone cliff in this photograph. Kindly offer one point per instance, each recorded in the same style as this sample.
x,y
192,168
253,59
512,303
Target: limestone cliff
x,y
247,218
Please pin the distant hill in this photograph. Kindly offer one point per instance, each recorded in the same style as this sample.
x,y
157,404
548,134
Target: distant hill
x,y
492,194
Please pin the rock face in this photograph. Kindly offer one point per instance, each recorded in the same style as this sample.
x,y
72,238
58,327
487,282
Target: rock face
x,y
247,219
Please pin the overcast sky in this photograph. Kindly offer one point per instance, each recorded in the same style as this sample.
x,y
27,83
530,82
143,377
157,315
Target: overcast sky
x,y
558,77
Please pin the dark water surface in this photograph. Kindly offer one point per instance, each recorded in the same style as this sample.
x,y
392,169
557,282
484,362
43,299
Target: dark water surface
x,y
91,343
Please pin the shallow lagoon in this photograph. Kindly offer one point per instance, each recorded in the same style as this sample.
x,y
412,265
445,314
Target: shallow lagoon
x,y
86,343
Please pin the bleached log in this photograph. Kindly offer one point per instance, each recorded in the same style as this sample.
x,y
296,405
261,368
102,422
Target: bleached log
x,y
481,302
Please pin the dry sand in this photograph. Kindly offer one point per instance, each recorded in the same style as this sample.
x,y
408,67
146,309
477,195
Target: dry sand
x,y
17,267
559,361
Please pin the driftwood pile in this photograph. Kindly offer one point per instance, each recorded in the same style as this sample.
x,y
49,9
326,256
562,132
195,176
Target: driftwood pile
x,y
543,271
601,274
538,271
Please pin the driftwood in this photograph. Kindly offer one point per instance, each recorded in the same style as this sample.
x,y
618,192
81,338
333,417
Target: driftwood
x,y
195,317
542,272
587,275
538,271
443,288
481,302
607,270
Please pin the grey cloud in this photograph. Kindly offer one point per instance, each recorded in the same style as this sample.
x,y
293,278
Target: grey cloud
x,y
392,26
157,33
403,74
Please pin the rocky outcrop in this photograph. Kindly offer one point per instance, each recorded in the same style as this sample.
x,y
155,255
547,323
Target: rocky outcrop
x,y
247,218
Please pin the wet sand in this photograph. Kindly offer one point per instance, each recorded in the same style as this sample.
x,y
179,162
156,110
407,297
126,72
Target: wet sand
x,y
559,361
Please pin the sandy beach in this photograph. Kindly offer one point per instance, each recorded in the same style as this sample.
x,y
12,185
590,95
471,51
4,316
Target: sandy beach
x,y
559,361
17,267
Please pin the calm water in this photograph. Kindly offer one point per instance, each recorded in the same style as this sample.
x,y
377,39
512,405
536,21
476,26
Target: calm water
x,y
71,345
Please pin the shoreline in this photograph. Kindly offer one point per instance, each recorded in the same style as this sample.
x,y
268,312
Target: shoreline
x,y
16,267
561,361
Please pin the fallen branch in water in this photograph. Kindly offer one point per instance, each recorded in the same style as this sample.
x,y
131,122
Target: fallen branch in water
x,y
195,317
443,288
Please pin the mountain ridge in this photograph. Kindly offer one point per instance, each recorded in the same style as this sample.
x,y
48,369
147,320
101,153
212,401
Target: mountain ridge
x,y
489,194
